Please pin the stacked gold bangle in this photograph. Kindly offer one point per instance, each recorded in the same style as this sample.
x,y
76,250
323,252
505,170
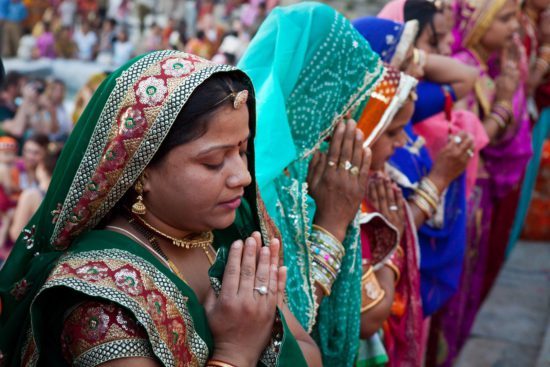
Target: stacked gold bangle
x,y
501,113
426,197
217,363
327,253
371,291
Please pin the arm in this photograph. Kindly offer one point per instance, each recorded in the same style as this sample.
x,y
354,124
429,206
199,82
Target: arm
x,y
308,346
372,319
446,70
26,206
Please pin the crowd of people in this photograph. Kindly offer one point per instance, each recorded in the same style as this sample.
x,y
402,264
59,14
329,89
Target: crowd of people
x,y
346,195
101,31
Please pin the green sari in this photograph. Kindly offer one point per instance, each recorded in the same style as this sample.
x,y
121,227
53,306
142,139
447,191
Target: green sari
x,y
62,258
310,67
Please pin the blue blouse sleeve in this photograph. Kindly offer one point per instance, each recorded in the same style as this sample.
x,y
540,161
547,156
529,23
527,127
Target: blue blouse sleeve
x,y
431,100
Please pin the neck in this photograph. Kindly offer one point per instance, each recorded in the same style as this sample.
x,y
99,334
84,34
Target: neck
x,y
481,54
44,184
164,227
532,12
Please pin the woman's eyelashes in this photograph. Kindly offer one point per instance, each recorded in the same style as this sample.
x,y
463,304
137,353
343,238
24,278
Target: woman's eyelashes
x,y
218,165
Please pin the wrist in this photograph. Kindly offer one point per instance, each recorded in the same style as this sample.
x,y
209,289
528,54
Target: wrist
x,y
336,229
440,182
233,357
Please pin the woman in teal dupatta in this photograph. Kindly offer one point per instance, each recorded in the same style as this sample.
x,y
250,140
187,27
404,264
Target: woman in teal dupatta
x,y
78,290
310,68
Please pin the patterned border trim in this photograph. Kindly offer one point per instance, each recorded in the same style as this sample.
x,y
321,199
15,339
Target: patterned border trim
x,y
99,138
114,350
160,281
147,146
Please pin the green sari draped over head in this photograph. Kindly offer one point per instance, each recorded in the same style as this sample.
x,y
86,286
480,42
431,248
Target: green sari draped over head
x,y
62,257
310,68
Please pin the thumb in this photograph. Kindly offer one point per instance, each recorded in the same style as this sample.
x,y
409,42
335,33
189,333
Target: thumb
x,y
210,301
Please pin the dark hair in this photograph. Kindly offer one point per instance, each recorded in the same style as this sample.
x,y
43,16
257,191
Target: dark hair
x,y
50,160
39,139
424,12
200,34
2,73
12,79
192,121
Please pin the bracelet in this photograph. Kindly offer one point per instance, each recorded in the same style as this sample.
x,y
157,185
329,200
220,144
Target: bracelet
x,y
217,363
327,236
498,119
319,261
395,261
322,279
505,105
430,187
371,291
423,205
428,198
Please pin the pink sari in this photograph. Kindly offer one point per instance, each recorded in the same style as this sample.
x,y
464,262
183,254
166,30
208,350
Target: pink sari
x,y
436,130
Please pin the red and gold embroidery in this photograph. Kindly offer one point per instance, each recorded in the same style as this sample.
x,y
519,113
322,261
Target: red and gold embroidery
x,y
92,324
131,282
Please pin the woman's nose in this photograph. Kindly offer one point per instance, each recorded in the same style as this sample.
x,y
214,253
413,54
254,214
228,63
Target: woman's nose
x,y
240,175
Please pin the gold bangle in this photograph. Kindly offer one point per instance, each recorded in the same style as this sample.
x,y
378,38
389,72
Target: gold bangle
x,y
371,291
323,287
427,197
505,104
499,120
423,205
217,363
322,230
394,268
430,186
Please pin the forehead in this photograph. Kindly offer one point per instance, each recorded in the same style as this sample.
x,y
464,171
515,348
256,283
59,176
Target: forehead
x,y
227,125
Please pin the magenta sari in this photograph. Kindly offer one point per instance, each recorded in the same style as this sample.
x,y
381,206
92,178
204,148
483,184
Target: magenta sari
x,y
493,201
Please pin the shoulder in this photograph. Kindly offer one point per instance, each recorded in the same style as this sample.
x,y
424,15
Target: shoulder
x,y
95,332
133,283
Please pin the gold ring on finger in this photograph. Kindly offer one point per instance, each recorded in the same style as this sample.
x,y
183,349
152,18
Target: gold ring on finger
x,y
470,153
331,163
262,290
354,171
346,165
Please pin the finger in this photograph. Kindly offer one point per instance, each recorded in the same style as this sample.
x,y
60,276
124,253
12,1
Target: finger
x,y
336,143
318,175
273,282
281,284
275,247
262,272
381,194
231,274
259,243
248,267
400,200
365,167
390,193
347,144
312,168
358,152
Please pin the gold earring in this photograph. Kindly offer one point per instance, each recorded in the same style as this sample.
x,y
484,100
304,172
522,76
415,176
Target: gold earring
x,y
139,207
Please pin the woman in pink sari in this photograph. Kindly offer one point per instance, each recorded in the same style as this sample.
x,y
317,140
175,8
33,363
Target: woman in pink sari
x,y
485,36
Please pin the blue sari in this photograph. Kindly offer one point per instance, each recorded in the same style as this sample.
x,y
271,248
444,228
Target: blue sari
x,y
442,244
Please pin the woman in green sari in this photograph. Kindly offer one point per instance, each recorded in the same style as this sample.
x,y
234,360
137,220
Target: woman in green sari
x,y
152,204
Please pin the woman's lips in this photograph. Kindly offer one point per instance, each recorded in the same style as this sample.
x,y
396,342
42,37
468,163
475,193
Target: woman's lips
x,y
232,204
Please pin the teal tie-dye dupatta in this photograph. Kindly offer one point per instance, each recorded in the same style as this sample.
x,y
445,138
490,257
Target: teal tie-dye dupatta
x,y
309,67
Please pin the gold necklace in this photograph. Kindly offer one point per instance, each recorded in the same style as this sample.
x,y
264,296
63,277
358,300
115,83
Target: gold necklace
x,y
202,241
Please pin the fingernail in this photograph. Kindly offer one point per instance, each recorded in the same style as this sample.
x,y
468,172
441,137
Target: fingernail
x,y
250,242
237,244
359,135
264,251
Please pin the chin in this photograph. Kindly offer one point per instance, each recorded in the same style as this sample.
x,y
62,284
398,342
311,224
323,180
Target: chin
x,y
222,222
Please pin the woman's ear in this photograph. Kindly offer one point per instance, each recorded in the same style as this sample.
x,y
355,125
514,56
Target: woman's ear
x,y
145,180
